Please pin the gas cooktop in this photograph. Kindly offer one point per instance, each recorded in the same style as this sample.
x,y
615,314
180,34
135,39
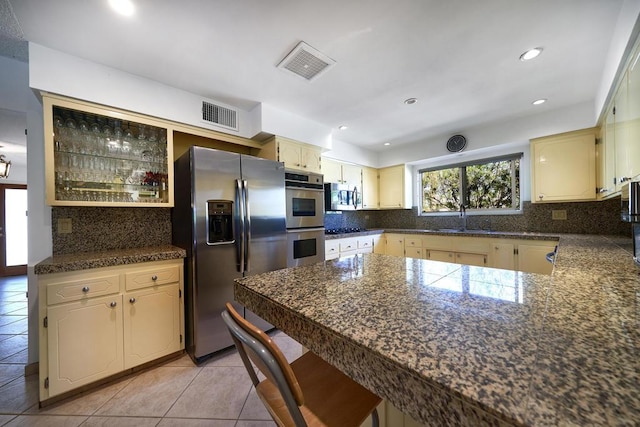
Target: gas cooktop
x,y
343,230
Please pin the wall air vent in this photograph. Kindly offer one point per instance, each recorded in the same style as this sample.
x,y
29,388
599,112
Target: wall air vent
x,y
306,62
219,115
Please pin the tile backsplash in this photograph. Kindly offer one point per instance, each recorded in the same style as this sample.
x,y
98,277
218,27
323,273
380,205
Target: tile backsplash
x,y
100,229
582,218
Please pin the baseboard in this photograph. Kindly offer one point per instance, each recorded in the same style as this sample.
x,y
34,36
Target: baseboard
x,y
31,368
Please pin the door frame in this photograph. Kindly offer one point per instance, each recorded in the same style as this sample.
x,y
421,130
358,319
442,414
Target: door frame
x,y
15,270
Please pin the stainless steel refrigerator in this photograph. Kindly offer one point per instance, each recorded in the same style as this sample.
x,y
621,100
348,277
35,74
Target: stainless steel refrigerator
x,y
229,215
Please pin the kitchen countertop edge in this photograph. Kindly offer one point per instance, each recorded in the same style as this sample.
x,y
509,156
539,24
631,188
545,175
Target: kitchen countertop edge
x,y
89,260
526,235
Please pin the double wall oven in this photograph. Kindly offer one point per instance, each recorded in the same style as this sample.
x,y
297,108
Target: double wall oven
x,y
305,218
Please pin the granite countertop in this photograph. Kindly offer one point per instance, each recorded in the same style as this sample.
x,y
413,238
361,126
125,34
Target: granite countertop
x,y
450,232
86,260
461,345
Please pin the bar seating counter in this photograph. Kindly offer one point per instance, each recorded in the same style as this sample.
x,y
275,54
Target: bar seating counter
x,y
452,344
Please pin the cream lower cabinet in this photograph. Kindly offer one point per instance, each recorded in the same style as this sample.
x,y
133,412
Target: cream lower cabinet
x,y
100,322
336,248
85,342
509,254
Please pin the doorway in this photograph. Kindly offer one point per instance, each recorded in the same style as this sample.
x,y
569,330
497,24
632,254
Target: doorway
x,y
13,230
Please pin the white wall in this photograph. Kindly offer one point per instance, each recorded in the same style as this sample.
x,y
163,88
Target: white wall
x,y
40,244
64,74
345,152
14,92
284,123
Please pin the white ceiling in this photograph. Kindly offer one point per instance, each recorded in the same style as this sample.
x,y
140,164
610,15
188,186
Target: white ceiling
x,y
459,58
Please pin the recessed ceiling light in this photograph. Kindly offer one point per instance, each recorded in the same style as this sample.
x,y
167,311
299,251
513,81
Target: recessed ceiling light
x,y
123,7
410,101
343,127
387,143
530,54
539,101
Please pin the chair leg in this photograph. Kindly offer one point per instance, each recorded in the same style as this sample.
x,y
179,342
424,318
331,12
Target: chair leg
x,y
375,422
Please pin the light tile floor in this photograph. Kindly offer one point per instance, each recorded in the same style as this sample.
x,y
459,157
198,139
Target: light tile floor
x,y
216,393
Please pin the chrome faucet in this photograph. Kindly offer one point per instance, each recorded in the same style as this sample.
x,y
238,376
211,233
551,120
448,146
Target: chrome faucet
x,y
463,216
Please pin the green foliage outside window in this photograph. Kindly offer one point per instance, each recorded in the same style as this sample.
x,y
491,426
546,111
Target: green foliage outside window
x,y
488,184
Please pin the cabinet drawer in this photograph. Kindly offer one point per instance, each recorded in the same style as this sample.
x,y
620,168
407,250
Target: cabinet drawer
x,y
331,246
73,290
151,277
413,242
365,242
348,245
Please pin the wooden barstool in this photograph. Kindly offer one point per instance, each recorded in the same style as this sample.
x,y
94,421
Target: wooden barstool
x,y
308,392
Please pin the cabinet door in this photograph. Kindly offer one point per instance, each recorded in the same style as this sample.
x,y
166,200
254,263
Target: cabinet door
x,y
533,258
151,324
503,256
370,188
395,245
352,175
471,259
607,161
311,159
633,116
96,156
84,342
446,256
564,167
391,186
379,244
621,129
290,154
331,170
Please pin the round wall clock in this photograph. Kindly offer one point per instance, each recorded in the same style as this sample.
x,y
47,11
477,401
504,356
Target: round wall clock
x,y
456,143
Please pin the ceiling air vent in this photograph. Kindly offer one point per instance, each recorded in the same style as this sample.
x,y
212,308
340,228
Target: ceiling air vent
x,y
220,116
306,62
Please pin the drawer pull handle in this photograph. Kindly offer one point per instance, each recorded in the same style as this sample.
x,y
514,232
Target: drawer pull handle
x,y
132,300
154,277
85,289
113,304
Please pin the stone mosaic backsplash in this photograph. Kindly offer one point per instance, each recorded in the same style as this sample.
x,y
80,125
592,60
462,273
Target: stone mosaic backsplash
x,y
101,229
582,218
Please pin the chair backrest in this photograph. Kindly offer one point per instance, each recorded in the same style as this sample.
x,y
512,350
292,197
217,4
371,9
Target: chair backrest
x,y
255,344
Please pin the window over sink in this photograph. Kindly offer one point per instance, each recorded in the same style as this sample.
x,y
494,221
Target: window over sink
x,y
482,185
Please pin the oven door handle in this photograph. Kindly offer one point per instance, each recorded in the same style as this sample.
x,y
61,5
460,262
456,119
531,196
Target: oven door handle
x,y
304,230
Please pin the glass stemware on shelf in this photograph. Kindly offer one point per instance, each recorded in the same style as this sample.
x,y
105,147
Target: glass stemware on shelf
x,y
100,159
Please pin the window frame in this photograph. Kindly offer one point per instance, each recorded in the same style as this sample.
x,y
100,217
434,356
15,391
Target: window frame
x,y
463,185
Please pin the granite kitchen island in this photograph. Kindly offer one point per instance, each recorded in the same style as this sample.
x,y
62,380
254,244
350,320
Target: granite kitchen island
x,y
458,345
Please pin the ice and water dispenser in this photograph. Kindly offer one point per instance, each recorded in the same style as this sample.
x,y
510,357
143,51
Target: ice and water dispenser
x,y
219,222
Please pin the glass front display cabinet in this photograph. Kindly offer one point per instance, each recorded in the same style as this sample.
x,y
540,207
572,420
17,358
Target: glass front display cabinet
x,y
99,156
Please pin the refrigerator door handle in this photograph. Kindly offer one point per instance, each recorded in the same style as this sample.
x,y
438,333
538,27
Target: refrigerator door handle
x,y
247,221
240,262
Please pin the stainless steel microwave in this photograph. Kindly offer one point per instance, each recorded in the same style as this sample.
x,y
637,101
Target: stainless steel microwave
x,y
342,197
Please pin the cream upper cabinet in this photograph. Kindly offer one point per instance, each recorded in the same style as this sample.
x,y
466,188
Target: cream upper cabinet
x,y
370,199
606,152
631,144
331,170
294,154
564,167
342,173
393,184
